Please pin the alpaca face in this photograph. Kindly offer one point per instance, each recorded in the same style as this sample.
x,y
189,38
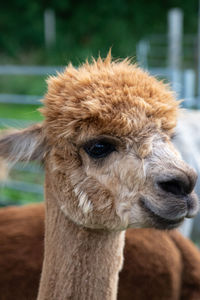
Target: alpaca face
x,y
111,149
121,182
151,185
106,143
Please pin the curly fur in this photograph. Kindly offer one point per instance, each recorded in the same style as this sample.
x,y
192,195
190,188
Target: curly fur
x,y
110,97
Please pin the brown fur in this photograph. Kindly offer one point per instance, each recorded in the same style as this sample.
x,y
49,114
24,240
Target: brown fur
x,y
96,199
112,96
21,251
157,265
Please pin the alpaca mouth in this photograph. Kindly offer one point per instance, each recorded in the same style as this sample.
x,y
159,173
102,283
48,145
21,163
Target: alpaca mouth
x,y
159,221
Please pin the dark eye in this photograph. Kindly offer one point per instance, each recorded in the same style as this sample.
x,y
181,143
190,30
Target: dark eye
x,y
99,149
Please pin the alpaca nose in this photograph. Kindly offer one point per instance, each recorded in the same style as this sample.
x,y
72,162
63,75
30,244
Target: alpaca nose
x,y
179,186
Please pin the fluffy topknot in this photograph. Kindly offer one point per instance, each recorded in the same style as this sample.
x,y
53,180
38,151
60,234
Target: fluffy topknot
x,y
116,97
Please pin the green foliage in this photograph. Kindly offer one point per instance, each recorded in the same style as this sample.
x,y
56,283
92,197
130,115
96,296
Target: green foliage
x,y
84,27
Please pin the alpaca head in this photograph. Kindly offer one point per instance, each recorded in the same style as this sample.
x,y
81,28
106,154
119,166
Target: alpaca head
x,y
109,158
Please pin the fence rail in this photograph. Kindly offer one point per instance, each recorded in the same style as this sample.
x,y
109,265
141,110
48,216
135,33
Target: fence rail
x,y
30,70
24,175
20,99
6,122
23,186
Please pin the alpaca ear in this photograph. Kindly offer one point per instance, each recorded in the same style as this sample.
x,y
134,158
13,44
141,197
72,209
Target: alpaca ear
x,y
23,145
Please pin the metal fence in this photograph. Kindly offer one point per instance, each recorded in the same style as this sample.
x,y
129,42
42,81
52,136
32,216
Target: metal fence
x,y
153,53
24,179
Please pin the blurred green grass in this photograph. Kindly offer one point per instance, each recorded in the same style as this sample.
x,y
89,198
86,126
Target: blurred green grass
x,y
23,85
20,112
13,197
19,197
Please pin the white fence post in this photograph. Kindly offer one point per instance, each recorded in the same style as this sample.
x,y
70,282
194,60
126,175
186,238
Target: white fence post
x,y
49,28
186,228
175,33
142,53
198,104
189,87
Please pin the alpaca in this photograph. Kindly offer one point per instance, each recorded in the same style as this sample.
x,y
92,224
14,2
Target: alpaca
x,y
109,165
158,265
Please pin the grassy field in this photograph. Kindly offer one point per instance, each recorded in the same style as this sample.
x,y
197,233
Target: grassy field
x,y
24,85
20,112
21,85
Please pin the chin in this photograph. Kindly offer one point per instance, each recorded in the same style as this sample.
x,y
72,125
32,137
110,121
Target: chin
x,y
154,219
164,224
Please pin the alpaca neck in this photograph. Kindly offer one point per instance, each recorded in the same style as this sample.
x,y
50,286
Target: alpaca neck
x,y
79,263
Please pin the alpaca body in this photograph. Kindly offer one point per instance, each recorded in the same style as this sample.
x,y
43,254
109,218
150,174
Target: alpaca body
x,y
21,251
158,265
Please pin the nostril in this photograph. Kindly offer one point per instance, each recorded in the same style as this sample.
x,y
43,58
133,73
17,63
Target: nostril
x,y
175,186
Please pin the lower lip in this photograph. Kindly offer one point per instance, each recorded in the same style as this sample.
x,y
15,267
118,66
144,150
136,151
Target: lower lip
x,y
160,222
163,223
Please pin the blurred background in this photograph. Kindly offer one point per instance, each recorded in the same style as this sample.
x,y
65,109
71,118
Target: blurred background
x,y
38,38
